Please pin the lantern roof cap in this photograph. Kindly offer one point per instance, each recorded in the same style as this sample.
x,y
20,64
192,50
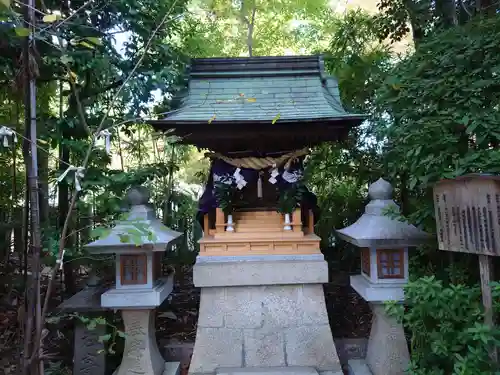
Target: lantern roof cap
x,y
376,227
139,229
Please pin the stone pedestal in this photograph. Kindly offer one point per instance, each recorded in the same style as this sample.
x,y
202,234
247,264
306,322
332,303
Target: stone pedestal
x,y
89,356
259,312
141,355
387,352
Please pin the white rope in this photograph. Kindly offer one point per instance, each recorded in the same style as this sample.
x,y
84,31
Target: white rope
x,y
79,174
6,133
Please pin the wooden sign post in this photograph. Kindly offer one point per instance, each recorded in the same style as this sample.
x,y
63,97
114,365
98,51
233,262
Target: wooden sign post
x,y
468,220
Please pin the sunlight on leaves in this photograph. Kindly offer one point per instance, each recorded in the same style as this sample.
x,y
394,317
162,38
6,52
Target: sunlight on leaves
x,y
94,40
211,119
50,18
85,44
22,31
72,76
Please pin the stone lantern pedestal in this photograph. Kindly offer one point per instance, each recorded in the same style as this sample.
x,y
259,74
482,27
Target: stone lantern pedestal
x,y
384,244
387,351
141,354
137,243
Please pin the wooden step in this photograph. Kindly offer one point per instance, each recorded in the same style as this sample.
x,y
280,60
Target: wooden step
x,y
241,244
252,235
251,229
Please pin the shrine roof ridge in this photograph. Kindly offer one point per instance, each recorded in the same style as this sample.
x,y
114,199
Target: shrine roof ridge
x,y
262,66
272,103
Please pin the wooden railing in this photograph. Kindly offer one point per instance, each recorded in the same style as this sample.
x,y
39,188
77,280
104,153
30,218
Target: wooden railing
x,y
296,224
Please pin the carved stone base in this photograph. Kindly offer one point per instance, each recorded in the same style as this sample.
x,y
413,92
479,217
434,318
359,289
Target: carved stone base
x,y
141,355
387,352
89,357
281,323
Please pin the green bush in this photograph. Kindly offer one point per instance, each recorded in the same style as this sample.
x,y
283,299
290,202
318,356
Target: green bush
x,y
448,336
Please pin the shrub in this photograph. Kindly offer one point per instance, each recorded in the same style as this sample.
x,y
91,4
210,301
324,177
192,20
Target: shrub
x,y
448,336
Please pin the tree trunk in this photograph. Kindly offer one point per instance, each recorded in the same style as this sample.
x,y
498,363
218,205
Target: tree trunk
x,y
249,23
30,154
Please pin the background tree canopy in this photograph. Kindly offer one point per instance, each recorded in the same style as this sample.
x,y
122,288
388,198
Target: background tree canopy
x,y
433,113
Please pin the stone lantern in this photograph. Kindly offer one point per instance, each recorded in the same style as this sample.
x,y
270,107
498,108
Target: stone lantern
x,y
138,243
384,244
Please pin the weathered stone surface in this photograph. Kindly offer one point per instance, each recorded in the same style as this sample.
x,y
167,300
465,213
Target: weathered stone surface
x,y
216,347
212,303
243,308
89,357
359,367
172,368
259,272
281,306
351,348
311,299
141,355
269,371
387,352
178,352
264,325
311,346
264,347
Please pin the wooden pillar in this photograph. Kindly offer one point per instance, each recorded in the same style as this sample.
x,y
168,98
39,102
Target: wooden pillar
x,y
310,223
297,220
206,227
220,222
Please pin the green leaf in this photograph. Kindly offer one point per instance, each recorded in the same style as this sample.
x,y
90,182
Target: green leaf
x,y
121,334
49,18
104,338
22,31
124,238
276,118
94,40
5,3
65,59
85,44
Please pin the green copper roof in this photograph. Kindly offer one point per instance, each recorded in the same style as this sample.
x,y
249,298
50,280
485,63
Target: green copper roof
x,y
270,89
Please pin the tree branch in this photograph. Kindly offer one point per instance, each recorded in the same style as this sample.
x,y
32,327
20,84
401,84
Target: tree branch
x,y
65,229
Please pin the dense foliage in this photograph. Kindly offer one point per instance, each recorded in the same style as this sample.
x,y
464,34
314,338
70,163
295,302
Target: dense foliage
x,y
448,333
433,113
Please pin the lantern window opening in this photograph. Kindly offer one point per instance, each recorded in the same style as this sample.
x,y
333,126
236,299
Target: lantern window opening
x,y
365,261
390,263
134,269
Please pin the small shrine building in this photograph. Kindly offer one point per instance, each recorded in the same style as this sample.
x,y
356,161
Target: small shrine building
x,y
260,268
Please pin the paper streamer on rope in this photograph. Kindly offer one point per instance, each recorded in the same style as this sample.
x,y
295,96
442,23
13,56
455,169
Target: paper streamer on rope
x,y
292,177
79,174
60,261
274,174
239,179
6,133
106,134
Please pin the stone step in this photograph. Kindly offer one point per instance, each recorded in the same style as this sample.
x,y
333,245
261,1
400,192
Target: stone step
x,y
291,370
359,367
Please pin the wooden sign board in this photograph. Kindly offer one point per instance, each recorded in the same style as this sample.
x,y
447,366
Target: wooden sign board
x,y
467,213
